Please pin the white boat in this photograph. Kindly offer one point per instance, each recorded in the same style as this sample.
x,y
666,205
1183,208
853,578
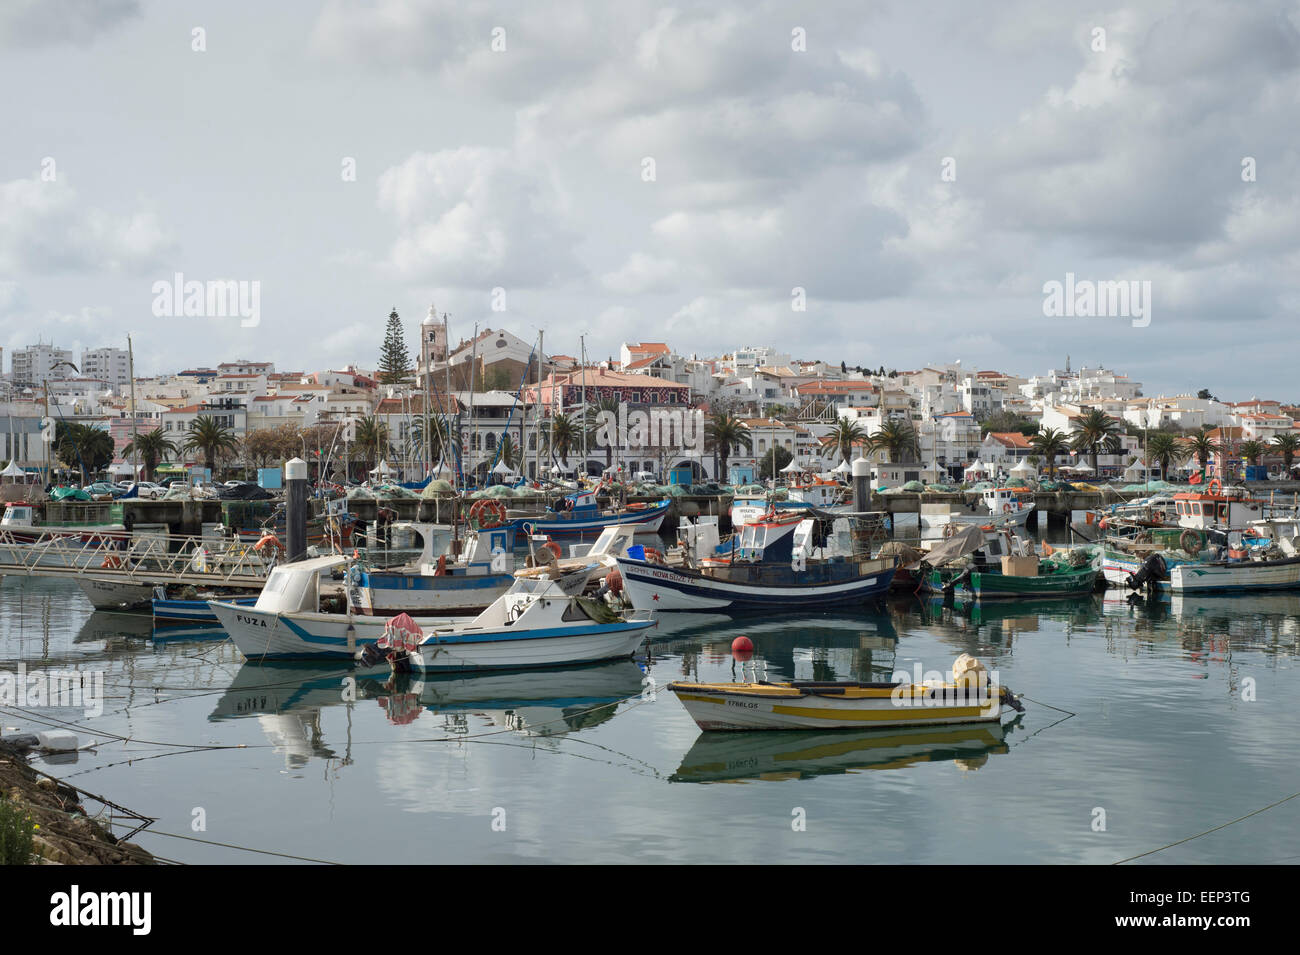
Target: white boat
x,y
535,624
1233,576
1007,507
822,495
105,594
286,623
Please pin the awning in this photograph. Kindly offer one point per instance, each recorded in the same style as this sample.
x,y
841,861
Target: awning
x,y
966,539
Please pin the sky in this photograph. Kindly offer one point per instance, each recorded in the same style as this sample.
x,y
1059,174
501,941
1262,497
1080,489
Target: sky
x,y
635,171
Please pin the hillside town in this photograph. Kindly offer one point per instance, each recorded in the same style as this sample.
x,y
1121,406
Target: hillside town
x,y
511,410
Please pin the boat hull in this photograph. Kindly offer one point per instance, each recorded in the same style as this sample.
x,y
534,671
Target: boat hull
x,y
194,611
115,594
498,650
1234,577
650,520
740,707
754,588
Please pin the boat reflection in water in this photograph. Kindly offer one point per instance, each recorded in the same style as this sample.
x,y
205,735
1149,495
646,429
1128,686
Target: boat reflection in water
x,y
287,700
785,755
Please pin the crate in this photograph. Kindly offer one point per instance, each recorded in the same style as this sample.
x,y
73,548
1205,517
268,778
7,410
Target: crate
x,y
1020,566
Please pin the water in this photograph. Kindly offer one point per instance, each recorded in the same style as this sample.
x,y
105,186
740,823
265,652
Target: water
x,y
577,766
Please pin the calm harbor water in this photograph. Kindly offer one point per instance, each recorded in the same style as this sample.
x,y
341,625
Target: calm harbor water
x,y
1186,718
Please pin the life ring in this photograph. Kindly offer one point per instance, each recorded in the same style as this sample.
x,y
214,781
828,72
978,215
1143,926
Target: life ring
x,y
441,569
268,540
1006,508
1214,487
112,561
1192,541
553,547
488,508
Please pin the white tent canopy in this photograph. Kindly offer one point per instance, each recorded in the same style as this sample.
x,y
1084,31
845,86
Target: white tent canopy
x,y
1024,467
1079,469
13,470
382,469
842,468
502,468
977,467
792,467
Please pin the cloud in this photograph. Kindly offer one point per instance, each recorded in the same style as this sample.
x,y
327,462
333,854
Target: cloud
x,y
477,217
44,228
27,24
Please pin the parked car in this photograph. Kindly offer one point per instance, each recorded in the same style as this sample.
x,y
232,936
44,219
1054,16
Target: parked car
x,y
149,491
102,489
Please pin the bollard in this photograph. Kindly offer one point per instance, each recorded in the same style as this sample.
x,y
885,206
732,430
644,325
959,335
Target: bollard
x,y
861,485
295,522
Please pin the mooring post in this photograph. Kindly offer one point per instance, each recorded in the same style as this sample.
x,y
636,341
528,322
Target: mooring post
x,y
295,523
861,485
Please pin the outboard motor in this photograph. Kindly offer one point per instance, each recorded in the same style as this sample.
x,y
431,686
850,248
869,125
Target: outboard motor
x,y
1152,569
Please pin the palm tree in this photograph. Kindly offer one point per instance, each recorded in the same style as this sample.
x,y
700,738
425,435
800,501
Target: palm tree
x,y
847,433
82,446
509,453
1048,443
152,447
722,433
561,436
897,439
438,432
1165,448
1288,444
1251,450
206,435
370,439
1201,445
1097,431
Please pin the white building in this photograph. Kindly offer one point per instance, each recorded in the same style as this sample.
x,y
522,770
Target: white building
x,y
111,364
36,364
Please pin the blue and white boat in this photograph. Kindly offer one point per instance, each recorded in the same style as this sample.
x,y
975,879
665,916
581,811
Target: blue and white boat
x,y
286,623
764,573
193,611
579,515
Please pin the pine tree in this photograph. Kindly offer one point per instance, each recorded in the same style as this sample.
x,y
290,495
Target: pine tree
x,y
394,359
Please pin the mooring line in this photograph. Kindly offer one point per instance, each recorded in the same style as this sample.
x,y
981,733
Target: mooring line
x,y
1207,831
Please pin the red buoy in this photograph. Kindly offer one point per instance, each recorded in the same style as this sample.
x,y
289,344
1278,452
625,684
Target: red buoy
x,y
742,648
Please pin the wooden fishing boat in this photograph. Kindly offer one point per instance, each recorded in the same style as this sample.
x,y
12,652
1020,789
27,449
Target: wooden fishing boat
x,y
1231,576
762,573
803,705
992,585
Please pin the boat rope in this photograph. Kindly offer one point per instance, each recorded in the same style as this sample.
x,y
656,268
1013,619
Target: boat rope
x,y
1233,822
232,845
1048,705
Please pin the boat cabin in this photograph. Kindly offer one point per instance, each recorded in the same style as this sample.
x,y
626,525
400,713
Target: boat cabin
x,y
770,539
1008,500
295,587
818,493
1217,508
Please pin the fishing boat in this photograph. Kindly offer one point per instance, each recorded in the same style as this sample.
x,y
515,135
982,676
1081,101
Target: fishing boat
x,y
1233,576
196,610
579,515
814,494
1028,579
287,623
1005,506
761,573
801,705
535,624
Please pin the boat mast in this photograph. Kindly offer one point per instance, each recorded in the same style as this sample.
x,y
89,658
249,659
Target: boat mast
x,y
582,357
473,420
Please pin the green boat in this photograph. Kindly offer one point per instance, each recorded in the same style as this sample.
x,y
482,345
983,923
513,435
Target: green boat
x,y
1049,582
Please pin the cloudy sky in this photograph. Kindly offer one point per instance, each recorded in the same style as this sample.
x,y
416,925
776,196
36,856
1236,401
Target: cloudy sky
x,y
645,171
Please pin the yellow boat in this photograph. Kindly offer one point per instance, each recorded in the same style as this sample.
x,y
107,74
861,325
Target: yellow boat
x,y
846,705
